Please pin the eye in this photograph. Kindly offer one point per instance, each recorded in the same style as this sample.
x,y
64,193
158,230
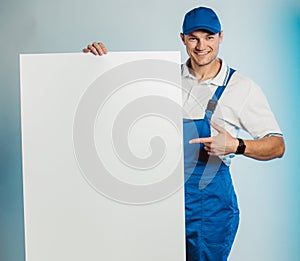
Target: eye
x,y
192,38
210,37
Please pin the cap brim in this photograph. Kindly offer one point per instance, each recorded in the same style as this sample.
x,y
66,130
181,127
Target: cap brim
x,y
202,27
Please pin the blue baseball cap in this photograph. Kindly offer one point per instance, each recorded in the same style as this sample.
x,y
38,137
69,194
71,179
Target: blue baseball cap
x,y
201,18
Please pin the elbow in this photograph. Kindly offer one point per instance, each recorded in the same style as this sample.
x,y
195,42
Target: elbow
x,y
281,151
280,148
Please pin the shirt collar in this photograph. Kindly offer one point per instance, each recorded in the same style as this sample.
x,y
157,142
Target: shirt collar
x,y
218,80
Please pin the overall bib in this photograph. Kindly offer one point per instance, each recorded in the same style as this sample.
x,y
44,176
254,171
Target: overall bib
x,y
211,208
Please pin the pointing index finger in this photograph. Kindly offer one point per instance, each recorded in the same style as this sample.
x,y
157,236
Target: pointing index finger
x,y
201,140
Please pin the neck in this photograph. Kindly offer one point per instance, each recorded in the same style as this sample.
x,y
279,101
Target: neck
x,y
205,72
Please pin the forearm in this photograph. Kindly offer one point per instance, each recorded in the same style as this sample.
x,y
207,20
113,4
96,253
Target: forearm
x,y
265,149
223,144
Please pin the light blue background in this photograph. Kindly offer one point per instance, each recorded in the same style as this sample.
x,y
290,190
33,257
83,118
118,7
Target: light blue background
x,y
262,40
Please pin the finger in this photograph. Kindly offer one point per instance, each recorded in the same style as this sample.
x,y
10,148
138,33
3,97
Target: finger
x,y
86,50
201,140
92,49
98,48
103,47
207,148
212,153
217,127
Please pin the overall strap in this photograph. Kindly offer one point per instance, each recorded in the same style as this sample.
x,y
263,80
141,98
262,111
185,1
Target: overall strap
x,y
213,102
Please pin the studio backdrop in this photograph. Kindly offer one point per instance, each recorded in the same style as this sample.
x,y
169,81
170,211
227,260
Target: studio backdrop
x,y
261,40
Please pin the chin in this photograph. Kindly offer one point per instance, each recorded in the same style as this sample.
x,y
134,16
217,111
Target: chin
x,y
202,63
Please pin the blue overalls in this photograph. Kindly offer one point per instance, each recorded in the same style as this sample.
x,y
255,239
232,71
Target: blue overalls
x,y
211,208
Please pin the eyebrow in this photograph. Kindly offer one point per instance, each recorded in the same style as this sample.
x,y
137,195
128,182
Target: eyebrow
x,y
208,33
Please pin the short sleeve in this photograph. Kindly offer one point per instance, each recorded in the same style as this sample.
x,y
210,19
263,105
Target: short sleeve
x,y
256,116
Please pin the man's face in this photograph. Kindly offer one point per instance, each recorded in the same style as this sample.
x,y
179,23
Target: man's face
x,y
202,46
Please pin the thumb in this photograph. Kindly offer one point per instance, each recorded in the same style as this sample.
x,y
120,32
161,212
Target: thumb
x,y
217,127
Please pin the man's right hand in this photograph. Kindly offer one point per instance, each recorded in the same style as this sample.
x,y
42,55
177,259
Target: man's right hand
x,y
96,48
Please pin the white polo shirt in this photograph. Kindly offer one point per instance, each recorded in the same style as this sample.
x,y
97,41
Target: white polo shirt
x,y
242,106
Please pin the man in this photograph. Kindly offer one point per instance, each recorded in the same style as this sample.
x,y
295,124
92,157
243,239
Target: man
x,y
214,95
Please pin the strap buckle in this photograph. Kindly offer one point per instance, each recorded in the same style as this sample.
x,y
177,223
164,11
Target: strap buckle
x,y
211,105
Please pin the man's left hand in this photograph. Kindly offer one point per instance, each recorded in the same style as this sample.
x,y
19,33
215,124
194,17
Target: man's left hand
x,y
221,144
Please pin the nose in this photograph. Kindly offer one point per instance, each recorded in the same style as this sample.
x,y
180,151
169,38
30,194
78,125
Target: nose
x,y
200,44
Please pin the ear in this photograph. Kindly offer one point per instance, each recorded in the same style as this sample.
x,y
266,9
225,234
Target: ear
x,y
221,36
182,38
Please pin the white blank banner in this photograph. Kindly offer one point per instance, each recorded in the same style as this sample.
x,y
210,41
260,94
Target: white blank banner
x,y
102,157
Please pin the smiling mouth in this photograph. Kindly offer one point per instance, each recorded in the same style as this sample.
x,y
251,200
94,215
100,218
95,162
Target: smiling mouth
x,y
201,53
